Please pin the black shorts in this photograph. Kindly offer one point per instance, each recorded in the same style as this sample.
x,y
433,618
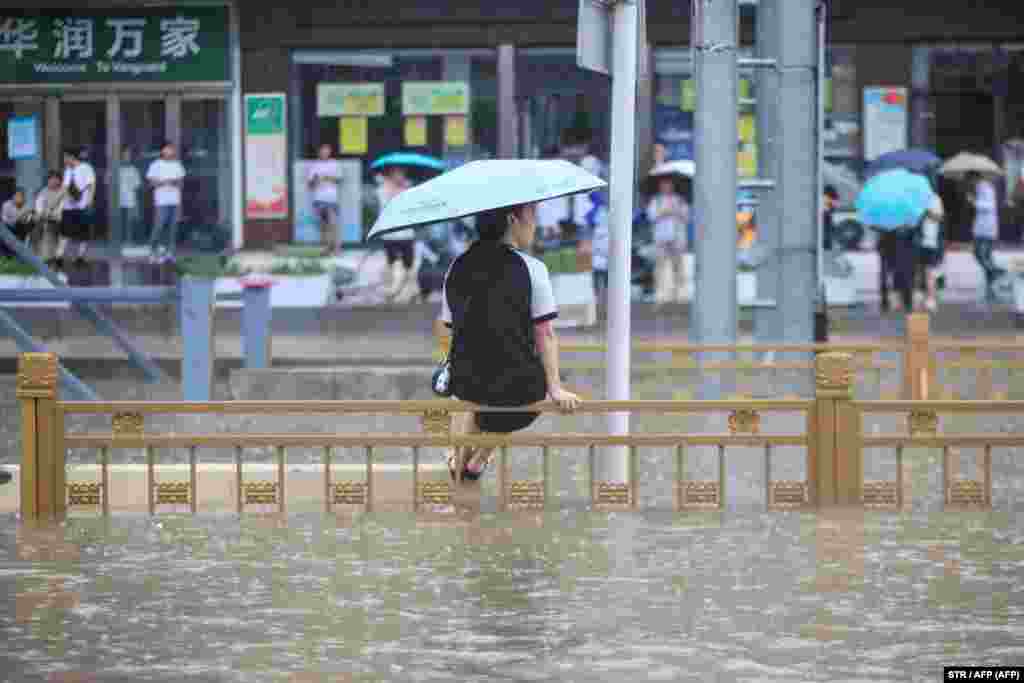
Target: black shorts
x,y
400,249
504,423
76,224
930,258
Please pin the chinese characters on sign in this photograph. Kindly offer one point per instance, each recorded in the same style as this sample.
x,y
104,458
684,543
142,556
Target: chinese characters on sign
x,y
62,46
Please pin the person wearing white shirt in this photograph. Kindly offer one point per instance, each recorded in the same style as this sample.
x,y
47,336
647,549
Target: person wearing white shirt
x,y
670,214
324,177
80,191
166,175
982,196
130,182
49,213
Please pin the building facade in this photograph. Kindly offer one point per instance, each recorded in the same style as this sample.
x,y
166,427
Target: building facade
x,y
117,81
249,90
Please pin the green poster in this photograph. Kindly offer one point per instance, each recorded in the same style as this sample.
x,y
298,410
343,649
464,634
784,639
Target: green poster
x,y
264,114
147,44
688,96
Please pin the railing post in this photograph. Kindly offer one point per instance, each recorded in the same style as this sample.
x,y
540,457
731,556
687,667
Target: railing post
x,y
42,471
918,364
197,298
256,317
835,472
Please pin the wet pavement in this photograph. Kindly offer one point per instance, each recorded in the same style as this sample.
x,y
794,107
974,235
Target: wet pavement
x,y
565,596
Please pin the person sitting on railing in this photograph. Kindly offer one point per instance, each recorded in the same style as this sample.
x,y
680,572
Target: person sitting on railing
x,y
17,217
504,345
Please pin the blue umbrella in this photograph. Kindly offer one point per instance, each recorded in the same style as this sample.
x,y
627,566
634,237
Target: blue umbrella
x,y
894,199
411,159
914,160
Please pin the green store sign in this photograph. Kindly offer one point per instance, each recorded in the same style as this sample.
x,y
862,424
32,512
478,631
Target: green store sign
x,y
149,45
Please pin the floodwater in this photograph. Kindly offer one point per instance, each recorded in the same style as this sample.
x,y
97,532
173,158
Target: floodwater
x,y
566,595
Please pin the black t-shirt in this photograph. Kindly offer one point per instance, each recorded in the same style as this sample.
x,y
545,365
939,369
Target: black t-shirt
x,y
497,294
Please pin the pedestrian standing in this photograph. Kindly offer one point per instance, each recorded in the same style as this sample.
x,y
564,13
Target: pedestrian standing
x,y
981,195
130,182
324,178
166,175
399,246
670,214
49,214
79,214
932,250
598,217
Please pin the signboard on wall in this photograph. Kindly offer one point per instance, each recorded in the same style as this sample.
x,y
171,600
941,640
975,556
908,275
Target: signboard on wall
x,y
885,121
22,137
266,157
350,99
150,44
350,203
427,98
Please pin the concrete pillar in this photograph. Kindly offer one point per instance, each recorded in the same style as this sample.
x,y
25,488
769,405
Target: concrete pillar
x,y
645,115
768,320
197,305
715,132
508,117
256,317
797,164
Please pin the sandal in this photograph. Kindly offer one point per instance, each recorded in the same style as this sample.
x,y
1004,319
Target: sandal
x,y
467,475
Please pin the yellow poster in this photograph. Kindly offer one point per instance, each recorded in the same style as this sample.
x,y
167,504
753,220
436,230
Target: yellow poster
x,y
415,131
354,135
688,95
744,89
455,131
748,129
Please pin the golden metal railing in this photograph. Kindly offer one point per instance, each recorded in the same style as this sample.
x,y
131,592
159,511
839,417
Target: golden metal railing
x,y
919,359
834,441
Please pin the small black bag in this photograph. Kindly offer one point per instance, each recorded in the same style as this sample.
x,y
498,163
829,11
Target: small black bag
x,y
441,380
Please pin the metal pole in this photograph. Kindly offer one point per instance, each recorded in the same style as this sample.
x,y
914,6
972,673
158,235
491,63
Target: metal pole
x,y
121,295
798,175
197,298
767,320
24,340
236,113
508,118
614,466
822,16
256,325
716,132
102,324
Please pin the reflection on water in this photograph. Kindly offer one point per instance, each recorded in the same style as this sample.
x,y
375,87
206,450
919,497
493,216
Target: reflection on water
x,y
557,596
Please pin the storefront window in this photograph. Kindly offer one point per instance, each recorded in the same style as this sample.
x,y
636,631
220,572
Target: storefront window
x,y
563,109
675,103
442,103
206,153
21,123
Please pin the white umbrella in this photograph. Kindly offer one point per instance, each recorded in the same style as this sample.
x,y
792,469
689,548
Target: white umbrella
x,y
964,162
482,186
683,167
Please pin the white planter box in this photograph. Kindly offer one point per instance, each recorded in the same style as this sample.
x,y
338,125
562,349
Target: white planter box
x,y
841,291
287,292
32,282
746,288
574,294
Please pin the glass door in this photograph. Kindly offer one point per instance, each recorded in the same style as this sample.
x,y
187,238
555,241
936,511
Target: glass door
x,y
206,153
83,127
143,129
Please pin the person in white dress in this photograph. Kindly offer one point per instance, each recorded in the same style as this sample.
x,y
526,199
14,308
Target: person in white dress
x,y
669,213
324,177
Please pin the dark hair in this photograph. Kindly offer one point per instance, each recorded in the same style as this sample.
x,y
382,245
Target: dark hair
x,y
831,191
54,174
72,152
492,225
19,189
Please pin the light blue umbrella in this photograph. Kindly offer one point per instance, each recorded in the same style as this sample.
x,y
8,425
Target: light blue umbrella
x,y
893,200
411,159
